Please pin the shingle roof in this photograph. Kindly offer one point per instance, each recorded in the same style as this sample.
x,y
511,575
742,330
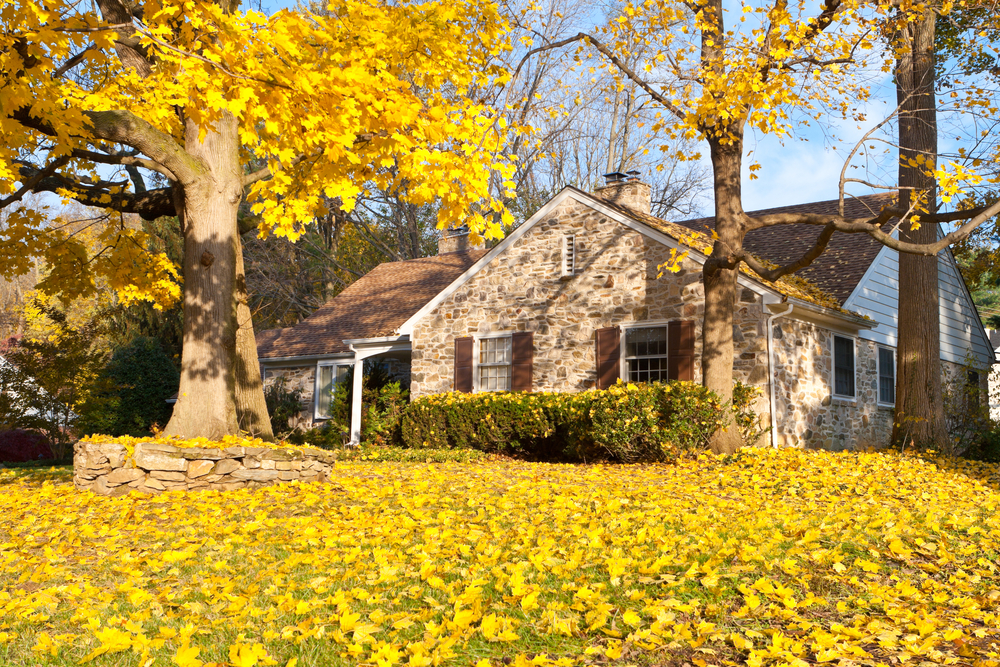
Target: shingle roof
x,y
846,259
374,305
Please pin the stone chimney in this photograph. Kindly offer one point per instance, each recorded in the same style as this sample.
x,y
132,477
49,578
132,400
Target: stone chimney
x,y
455,240
626,190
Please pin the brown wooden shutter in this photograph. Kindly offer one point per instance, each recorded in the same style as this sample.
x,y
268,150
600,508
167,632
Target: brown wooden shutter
x,y
463,364
522,353
608,356
680,350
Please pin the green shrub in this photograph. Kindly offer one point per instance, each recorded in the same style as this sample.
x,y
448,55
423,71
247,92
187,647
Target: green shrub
x,y
626,423
283,405
500,423
752,425
380,421
383,407
138,380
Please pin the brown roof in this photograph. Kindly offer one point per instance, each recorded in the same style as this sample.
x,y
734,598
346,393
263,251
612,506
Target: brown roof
x,y
374,305
846,259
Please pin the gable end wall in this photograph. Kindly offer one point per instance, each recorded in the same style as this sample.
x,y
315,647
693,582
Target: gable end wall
x,y
616,284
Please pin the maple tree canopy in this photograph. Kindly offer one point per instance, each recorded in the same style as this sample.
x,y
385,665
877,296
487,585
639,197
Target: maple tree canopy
x,y
367,94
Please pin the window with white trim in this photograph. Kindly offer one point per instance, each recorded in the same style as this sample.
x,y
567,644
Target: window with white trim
x,y
843,367
493,364
886,376
569,255
646,354
328,377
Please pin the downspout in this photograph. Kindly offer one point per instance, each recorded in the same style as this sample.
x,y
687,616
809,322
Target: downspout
x,y
770,372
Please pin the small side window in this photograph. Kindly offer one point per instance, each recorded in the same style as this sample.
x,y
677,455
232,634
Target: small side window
x,y
326,385
569,255
843,367
886,376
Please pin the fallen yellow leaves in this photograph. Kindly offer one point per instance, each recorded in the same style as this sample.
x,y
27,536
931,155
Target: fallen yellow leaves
x,y
766,558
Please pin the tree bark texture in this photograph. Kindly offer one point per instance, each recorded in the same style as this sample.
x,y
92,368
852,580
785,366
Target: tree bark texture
x,y
251,408
919,413
720,286
206,404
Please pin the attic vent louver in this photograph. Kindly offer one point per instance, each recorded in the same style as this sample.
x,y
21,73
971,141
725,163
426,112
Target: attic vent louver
x,y
569,255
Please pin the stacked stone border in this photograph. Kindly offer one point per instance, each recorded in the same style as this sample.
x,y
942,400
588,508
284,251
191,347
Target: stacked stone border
x,y
109,469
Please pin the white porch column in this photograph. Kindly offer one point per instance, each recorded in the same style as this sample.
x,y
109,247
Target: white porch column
x,y
359,376
363,348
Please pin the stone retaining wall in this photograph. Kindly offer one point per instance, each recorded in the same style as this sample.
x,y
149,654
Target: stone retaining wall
x,y
107,468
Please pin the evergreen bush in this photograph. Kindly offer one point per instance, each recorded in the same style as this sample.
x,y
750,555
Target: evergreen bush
x,y
626,423
136,384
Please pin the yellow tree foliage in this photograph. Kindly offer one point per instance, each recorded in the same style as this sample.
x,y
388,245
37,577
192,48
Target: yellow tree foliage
x,y
216,102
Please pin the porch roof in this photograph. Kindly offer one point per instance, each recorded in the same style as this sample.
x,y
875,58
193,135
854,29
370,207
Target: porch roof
x,y
373,306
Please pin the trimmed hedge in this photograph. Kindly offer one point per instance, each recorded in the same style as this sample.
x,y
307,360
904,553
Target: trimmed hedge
x,y
627,423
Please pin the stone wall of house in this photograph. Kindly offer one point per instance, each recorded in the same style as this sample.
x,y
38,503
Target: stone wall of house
x,y
808,415
617,282
300,378
107,469
398,370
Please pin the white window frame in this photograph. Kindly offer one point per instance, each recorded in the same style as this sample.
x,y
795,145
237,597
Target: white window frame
x,y
569,255
833,368
651,324
328,363
476,364
878,375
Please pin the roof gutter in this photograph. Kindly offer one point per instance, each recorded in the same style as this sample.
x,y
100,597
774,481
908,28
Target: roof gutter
x,y
829,317
770,371
306,357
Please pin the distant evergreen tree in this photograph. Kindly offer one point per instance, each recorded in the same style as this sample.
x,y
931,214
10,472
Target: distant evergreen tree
x,y
141,377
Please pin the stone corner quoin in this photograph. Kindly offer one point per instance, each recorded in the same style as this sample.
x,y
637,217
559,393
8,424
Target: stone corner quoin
x,y
108,470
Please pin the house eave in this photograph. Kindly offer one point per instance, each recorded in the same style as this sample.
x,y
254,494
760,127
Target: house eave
x,y
828,317
305,357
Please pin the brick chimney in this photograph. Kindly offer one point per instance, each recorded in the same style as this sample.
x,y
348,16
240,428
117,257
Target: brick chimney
x,y
455,240
626,190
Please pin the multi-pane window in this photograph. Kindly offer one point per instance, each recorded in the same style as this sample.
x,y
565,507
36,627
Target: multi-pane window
x,y
326,386
886,376
646,354
494,364
843,367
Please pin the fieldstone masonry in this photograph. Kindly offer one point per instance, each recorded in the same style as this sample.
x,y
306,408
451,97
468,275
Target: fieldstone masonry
x,y
154,467
617,282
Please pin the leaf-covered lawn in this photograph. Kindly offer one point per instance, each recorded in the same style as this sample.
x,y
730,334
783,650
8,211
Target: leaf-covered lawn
x,y
767,558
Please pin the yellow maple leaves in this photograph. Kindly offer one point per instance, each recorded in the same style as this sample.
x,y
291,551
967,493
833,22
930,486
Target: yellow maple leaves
x,y
362,95
766,558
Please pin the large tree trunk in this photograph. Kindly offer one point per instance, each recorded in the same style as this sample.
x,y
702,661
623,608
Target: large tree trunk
x,y
205,403
919,414
720,286
251,409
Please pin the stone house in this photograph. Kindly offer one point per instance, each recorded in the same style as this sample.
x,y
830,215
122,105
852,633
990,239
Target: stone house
x,y
576,297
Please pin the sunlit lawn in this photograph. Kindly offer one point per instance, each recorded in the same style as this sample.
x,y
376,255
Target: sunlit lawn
x,y
768,558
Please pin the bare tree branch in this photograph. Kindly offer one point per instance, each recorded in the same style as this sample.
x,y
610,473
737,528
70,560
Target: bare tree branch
x,y
615,60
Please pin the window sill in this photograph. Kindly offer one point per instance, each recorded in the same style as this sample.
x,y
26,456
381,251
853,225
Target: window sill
x,y
886,406
843,400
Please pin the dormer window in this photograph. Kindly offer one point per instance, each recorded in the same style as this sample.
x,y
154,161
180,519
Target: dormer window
x,y
569,255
